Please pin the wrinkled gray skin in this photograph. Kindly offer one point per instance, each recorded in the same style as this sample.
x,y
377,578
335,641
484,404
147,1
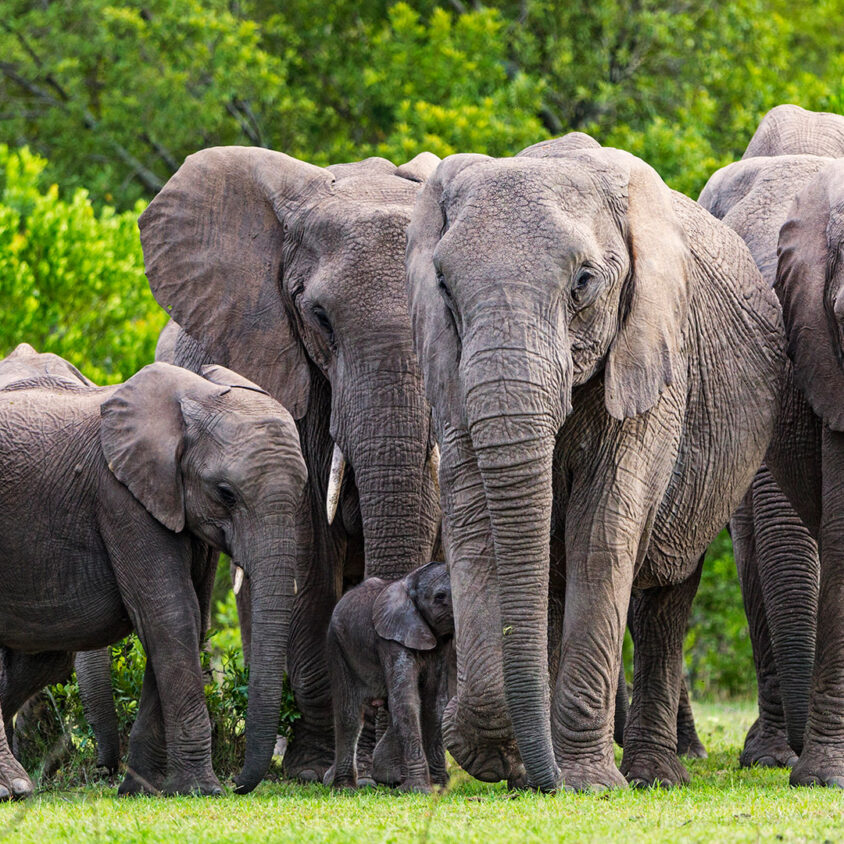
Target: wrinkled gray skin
x,y
389,644
93,668
776,550
115,501
804,207
603,359
294,276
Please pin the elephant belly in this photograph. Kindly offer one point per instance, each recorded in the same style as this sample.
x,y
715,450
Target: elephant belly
x,y
48,607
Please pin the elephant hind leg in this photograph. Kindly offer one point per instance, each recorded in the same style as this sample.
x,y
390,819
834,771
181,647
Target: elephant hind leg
x,y
22,676
658,619
766,744
688,741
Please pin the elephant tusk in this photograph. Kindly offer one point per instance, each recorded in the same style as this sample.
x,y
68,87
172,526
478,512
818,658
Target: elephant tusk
x,y
238,579
335,481
434,467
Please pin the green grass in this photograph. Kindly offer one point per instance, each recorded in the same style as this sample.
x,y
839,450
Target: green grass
x,y
721,804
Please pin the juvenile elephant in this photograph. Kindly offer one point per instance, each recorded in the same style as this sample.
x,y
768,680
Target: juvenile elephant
x,y
113,504
603,360
294,276
389,644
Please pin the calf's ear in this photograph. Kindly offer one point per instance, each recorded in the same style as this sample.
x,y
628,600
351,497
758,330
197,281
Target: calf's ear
x,y
395,617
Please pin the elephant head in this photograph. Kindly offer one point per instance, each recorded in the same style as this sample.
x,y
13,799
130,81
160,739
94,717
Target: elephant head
x,y
416,610
293,275
810,285
791,130
527,277
218,457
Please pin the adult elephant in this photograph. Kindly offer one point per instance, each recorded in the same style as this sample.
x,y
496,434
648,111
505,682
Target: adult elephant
x,y
294,276
603,359
776,553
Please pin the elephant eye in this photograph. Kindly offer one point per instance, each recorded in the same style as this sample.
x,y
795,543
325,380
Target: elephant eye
x,y
582,286
226,495
324,322
443,287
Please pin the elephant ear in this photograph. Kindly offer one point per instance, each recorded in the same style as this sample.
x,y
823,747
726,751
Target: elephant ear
x,y
559,147
395,617
646,355
141,434
217,374
213,242
807,262
420,168
434,332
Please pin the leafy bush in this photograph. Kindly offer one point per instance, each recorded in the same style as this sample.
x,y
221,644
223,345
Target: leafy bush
x,y
71,278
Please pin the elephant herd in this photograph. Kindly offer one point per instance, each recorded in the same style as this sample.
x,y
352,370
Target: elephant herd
x,y
551,371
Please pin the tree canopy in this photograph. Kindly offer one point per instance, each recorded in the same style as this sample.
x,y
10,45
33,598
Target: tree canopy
x,y
116,94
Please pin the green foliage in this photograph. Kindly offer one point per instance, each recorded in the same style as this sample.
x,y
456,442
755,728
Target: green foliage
x,y
71,278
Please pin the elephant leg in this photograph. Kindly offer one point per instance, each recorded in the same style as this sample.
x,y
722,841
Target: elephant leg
x,y
789,577
434,698
146,767
93,675
765,744
21,677
822,759
387,758
405,704
348,706
15,783
622,706
367,742
688,742
659,617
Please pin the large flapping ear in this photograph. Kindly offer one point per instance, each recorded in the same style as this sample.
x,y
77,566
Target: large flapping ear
x,y
646,354
559,147
806,267
791,130
213,243
434,333
25,365
420,168
141,434
226,378
395,617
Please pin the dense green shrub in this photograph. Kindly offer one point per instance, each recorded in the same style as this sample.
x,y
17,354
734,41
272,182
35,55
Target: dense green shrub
x,y
72,278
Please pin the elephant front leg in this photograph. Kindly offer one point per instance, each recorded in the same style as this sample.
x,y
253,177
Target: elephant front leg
x,y
15,783
688,741
658,624
822,759
583,704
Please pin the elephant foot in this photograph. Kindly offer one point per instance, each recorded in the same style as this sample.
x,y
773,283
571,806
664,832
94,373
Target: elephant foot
x,y
141,781
15,783
201,785
595,778
415,787
819,765
308,756
647,767
386,760
767,747
690,745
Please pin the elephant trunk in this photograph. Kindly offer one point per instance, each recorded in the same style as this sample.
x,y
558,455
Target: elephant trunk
x,y
514,410
272,587
385,435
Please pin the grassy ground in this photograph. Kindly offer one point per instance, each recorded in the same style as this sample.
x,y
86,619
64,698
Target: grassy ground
x,y
722,804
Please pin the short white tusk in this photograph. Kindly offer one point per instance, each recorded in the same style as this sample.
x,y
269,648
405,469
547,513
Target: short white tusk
x,y
335,481
238,579
434,467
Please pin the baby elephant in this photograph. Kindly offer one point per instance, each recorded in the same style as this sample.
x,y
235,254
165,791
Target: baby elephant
x,y
390,644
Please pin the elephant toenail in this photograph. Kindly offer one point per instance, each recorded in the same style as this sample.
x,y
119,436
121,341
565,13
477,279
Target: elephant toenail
x,y
4,793
20,786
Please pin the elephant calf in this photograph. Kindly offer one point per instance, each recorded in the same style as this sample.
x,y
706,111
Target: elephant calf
x,y
113,504
390,643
